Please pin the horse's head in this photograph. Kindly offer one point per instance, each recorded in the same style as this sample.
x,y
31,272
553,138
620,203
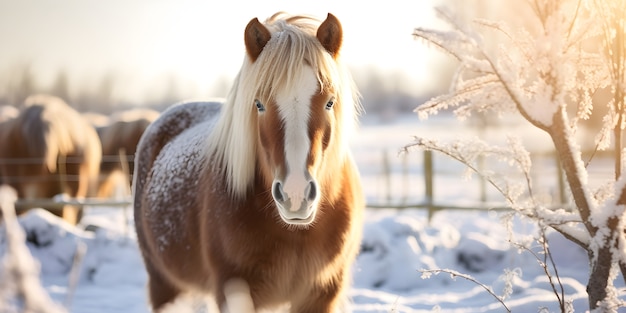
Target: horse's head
x,y
297,108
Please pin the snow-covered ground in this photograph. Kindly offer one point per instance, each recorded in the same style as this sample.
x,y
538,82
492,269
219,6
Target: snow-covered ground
x,y
398,245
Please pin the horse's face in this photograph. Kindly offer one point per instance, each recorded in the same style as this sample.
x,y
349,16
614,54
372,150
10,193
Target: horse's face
x,y
295,130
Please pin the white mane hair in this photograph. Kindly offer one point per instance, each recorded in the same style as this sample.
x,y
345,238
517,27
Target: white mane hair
x,y
232,145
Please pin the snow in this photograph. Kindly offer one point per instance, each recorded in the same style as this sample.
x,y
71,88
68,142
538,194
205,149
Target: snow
x,y
396,246
398,269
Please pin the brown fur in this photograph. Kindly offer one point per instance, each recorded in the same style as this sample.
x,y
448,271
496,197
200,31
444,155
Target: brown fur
x,y
256,37
49,149
120,138
197,235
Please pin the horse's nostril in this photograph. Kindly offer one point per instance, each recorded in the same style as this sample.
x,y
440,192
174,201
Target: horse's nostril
x,y
277,192
312,194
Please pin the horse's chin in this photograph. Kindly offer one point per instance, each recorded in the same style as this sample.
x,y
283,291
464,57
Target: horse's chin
x,y
297,221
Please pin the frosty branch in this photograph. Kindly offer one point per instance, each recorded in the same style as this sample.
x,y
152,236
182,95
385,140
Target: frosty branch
x,y
561,220
19,280
543,262
454,274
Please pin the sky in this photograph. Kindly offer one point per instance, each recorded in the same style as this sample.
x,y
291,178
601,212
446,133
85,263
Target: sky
x,y
195,42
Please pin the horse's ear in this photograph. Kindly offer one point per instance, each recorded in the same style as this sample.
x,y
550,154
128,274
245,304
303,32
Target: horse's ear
x,y
330,35
256,37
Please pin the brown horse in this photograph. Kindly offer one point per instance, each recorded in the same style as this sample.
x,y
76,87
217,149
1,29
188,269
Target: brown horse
x,y
119,139
47,150
261,189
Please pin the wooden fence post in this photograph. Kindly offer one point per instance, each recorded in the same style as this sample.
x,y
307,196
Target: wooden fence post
x,y
405,179
387,176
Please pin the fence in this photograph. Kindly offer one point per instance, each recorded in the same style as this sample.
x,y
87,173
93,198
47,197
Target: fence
x,y
403,170
57,204
426,197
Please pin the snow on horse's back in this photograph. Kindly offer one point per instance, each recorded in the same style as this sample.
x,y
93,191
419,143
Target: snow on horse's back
x,y
260,189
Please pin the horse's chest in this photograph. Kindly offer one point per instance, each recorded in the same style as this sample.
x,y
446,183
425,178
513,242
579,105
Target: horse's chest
x,y
280,272
284,260
279,264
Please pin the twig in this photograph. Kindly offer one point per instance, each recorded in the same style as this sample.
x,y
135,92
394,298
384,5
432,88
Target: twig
x,y
427,273
544,265
74,276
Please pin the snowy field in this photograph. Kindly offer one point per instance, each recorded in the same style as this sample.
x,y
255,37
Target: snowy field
x,y
397,246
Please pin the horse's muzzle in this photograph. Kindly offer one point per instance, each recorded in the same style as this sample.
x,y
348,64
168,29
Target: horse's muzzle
x,y
296,208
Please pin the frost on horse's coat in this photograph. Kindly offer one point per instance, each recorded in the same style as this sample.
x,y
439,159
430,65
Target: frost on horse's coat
x,y
175,174
223,194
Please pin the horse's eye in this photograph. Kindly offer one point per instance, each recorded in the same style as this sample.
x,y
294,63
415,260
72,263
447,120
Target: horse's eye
x,y
329,104
259,105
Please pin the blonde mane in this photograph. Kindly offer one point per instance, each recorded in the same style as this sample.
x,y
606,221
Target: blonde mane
x,y
232,145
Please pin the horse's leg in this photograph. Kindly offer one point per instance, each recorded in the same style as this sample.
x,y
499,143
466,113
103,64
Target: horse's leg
x,y
161,291
326,299
70,214
235,297
75,181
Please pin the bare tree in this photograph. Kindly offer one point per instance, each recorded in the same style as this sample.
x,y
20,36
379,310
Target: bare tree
x,y
549,77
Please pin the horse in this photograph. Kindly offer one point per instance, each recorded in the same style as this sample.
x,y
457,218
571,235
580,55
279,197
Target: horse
x,y
48,150
260,190
119,139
